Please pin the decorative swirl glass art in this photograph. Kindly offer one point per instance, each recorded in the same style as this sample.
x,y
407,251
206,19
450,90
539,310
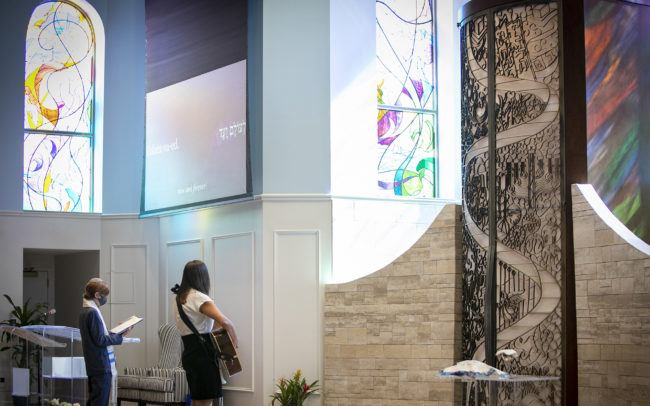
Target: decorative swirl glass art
x,y
406,121
58,117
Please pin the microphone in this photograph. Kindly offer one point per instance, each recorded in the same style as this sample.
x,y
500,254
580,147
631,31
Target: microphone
x,y
49,312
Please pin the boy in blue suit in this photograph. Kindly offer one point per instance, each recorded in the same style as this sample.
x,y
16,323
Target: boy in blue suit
x,y
97,343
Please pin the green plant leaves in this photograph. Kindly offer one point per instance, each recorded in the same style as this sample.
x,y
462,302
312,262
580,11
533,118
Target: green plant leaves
x,y
293,392
21,316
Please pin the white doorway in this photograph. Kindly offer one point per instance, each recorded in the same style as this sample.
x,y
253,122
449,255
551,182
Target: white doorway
x,y
58,278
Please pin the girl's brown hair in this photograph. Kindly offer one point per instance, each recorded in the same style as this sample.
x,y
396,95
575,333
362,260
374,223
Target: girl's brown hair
x,y
195,276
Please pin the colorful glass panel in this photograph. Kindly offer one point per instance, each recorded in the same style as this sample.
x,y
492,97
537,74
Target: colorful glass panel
x,y
405,59
617,57
59,59
58,115
406,97
57,169
406,149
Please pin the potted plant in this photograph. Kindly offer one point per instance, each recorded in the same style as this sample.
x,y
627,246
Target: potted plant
x,y
21,355
294,391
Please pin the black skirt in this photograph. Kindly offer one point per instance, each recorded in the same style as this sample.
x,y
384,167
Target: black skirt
x,y
202,371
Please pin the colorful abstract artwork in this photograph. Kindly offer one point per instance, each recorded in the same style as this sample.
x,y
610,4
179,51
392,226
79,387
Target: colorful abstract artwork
x,y
406,121
57,172
617,58
58,116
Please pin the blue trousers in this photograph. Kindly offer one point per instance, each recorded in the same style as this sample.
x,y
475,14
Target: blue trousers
x,y
99,390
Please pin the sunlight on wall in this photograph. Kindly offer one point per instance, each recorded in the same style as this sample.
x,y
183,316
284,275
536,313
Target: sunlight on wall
x,y
354,135
369,232
448,66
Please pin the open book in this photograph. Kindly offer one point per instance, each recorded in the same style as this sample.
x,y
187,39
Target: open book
x,y
131,321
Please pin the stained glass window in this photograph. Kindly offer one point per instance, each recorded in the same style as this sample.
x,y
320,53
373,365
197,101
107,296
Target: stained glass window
x,y
406,97
59,109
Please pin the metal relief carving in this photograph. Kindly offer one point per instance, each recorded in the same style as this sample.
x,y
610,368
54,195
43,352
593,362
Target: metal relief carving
x,y
540,354
528,198
473,327
474,152
475,181
527,187
514,109
473,83
517,296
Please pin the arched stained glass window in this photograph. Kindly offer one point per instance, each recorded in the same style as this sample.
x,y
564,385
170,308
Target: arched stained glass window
x,y
406,97
59,116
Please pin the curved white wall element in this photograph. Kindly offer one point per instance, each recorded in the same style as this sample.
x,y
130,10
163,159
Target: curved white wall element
x,y
369,234
591,196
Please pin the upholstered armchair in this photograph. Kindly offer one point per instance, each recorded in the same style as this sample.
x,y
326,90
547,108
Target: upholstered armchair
x,y
162,384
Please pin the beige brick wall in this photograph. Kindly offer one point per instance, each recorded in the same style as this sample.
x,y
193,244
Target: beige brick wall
x,y
613,313
389,333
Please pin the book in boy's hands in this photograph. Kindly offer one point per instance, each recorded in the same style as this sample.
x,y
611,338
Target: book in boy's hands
x,y
131,321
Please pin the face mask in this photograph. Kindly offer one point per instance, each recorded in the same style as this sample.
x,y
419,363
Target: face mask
x,y
102,300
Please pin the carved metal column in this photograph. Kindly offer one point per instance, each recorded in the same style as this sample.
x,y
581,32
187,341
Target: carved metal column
x,y
516,231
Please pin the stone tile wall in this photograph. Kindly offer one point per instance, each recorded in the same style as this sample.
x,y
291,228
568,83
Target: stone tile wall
x,y
613,313
389,333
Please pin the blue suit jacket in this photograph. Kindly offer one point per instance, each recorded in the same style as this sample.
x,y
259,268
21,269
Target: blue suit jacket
x,y
94,342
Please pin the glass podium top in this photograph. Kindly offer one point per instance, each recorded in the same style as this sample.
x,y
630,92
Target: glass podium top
x,y
498,378
31,336
71,333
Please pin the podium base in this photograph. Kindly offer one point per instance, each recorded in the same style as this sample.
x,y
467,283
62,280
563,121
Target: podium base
x,y
20,400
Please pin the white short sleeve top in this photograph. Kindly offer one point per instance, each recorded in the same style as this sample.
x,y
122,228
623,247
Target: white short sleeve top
x,y
191,307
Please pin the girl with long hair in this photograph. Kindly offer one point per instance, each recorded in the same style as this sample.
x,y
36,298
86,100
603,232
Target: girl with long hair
x,y
201,369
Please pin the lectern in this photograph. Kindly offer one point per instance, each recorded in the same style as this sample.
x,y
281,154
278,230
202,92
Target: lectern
x,y
55,363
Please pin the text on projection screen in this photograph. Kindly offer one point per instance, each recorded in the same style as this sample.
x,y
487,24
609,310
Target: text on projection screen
x,y
196,139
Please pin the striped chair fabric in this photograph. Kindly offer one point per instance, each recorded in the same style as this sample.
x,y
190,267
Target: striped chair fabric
x,y
163,383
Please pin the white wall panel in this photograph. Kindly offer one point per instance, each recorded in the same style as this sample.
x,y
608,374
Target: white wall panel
x,y
178,254
233,285
128,282
296,303
129,261
126,291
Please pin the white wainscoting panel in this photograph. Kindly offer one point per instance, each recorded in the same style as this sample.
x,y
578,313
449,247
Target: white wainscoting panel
x,y
233,286
128,297
179,253
124,282
296,302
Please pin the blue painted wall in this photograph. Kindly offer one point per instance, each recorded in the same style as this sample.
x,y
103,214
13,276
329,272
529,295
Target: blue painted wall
x,y
124,96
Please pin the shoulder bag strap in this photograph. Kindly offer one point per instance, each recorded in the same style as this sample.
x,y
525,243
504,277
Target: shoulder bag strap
x,y
186,320
212,346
